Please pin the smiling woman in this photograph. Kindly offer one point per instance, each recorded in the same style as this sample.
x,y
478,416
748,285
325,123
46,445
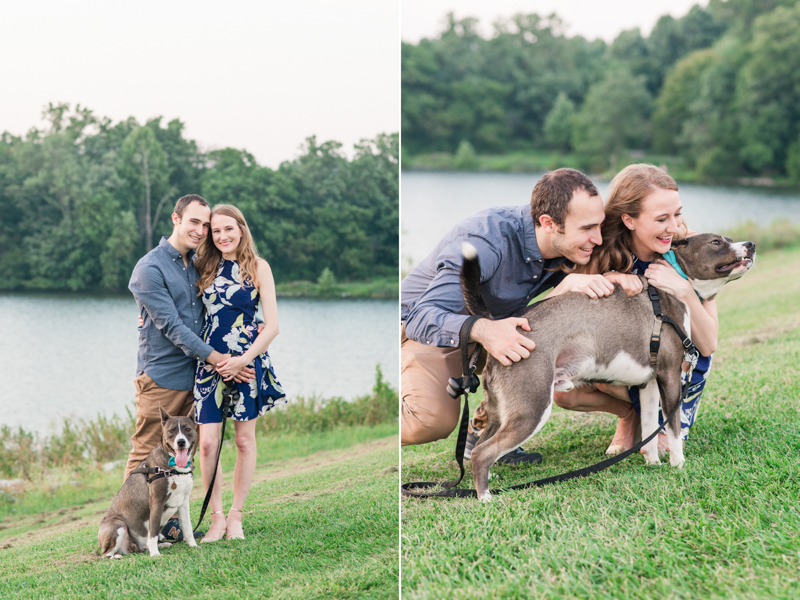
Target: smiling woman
x,y
234,282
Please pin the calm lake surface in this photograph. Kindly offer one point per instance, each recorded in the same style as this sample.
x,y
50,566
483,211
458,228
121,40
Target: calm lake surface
x,y
432,203
65,355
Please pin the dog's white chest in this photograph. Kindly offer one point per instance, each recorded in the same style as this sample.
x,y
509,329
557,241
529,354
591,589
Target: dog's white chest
x,y
622,370
179,487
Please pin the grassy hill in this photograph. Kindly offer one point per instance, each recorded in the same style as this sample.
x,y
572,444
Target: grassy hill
x,y
319,524
723,527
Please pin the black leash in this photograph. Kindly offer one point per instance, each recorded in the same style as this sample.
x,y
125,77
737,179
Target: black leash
x,y
229,396
464,385
409,489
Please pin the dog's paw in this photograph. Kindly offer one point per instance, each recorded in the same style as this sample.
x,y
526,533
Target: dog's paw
x,y
677,462
117,556
191,543
485,496
654,462
563,385
165,544
615,449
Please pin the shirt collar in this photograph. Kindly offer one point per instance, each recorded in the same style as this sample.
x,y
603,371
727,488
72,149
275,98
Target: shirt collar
x,y
170,249
532,251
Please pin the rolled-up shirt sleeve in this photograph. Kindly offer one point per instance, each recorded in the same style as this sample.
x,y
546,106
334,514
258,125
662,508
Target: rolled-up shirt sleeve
x,y
149,288
438,315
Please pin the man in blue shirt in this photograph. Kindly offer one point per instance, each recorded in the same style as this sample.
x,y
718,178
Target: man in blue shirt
x,y
522,250
164,283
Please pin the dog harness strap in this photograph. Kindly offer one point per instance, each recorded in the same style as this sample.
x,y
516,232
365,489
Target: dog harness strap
x,y
655,338
655,341
157,473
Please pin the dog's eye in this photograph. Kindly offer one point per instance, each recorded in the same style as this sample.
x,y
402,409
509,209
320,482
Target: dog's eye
x,y
715,242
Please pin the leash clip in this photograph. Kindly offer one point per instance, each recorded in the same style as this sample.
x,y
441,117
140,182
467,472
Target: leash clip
x,y
456,386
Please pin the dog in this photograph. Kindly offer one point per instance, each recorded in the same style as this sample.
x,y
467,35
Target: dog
x,y
148,500
580,341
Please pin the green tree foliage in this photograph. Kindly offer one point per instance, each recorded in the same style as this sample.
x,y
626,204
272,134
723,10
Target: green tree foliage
x,y
465,156
613,117
710,133
723,83
558,124
83,199
769,90
681,88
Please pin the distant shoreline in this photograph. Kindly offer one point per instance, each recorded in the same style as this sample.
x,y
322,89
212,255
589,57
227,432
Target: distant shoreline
x,y
540,162
381,288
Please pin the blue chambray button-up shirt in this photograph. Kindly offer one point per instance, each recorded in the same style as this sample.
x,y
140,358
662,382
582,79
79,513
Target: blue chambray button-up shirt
x,y
513,272
172,313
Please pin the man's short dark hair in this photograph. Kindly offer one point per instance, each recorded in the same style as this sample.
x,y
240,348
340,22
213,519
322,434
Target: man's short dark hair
x,y
185,201
553,192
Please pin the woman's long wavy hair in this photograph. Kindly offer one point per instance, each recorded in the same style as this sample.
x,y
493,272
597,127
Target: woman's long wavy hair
x,y
209,256
626,193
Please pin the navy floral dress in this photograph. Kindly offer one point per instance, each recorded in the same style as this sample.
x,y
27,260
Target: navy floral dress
x,y
691,405
230,328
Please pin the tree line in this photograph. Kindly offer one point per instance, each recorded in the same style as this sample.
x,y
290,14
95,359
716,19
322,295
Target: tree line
x,y
719,86
83,198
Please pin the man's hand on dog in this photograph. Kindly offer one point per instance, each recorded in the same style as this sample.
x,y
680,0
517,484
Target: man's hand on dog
x,y
631,284
594,286
502,340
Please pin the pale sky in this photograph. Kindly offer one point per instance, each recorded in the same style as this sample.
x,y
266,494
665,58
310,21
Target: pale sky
x,y
602,19
256,75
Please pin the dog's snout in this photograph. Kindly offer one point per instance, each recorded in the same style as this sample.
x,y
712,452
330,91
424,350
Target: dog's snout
x,y
182,443
750,247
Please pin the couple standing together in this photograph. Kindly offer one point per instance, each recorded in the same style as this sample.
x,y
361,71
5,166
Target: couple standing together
x,y
198,292
567,241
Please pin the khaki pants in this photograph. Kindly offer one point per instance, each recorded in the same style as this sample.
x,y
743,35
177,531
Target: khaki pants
x,y
148,416
428,412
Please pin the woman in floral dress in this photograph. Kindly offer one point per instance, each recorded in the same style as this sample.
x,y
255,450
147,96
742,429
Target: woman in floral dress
x,y
233,281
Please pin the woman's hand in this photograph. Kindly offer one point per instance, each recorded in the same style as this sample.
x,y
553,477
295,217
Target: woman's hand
x,y
662,275
594,286
631,284
230,368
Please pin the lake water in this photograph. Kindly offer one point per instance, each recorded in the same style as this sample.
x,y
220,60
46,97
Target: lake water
x,y
64,355
433,202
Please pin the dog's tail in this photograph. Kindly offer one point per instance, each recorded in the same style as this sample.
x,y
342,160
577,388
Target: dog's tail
x,y
471,282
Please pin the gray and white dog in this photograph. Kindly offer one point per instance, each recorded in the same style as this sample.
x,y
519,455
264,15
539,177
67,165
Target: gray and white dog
x,y
580,341
140,509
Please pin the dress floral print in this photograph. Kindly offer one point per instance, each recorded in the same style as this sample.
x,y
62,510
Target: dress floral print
x,y
230,328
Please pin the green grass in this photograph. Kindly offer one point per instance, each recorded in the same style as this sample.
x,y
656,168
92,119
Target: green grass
x,y
75,484
65,469
723,527
323,526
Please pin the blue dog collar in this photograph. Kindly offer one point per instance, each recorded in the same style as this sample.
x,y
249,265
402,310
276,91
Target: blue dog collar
x,y
172,464
673,262
670,258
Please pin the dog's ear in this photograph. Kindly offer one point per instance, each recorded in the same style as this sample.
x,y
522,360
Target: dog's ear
x,y
681,242
164,414
193,416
